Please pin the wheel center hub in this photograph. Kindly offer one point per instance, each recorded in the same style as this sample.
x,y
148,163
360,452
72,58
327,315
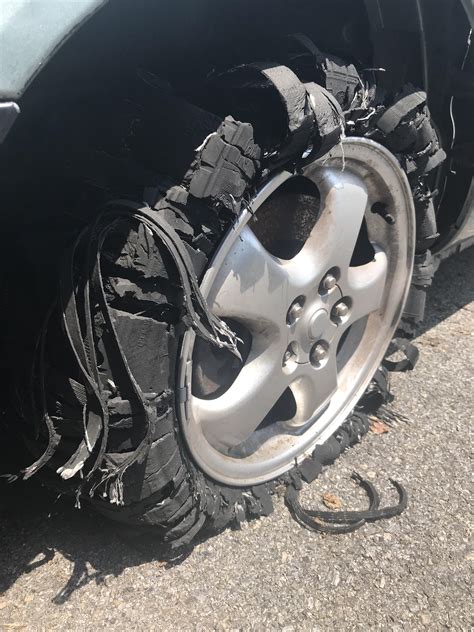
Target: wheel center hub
x,y
314,326
318,324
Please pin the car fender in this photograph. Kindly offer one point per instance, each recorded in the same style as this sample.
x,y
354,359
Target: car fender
x,y
31,31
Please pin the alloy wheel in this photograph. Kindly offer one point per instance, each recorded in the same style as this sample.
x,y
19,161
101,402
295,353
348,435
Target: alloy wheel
x,y
313,276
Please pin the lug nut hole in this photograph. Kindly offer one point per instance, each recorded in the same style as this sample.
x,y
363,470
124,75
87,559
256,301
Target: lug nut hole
x,y
319,354
295,311
290,354
341,310
329,281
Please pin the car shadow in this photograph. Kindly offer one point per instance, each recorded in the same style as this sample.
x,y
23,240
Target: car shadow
x,y
452,289
36,524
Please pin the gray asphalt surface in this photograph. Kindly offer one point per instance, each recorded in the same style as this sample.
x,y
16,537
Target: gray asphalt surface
x,y
66,569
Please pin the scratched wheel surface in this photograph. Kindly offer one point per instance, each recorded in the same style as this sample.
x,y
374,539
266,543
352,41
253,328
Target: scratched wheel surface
x,y
313,277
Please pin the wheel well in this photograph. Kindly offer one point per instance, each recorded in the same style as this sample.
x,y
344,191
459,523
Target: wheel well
x,y
181,42
77,103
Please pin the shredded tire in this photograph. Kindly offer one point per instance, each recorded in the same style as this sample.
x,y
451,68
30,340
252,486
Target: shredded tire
x,y
162,488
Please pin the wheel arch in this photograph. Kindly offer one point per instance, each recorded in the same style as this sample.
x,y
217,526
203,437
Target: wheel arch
x,y
31,34
49,46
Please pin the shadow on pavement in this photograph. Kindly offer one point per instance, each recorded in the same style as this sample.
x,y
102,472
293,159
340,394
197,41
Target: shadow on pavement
x,y
35,525
452,289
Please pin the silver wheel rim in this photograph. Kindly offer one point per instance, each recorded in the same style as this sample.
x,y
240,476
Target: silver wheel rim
x,y
322,341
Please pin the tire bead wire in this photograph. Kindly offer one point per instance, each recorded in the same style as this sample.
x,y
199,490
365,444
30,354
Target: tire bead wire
x,y
344,521
95,412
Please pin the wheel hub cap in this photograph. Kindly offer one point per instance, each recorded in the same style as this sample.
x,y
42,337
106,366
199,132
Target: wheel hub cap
x,y
319,322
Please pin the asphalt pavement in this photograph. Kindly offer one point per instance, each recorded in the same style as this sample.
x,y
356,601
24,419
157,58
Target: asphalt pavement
x,y
67,569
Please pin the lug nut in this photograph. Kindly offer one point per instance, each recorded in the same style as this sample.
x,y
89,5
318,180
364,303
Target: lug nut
x,y
290,353
329,282
340,310
295,310
318,353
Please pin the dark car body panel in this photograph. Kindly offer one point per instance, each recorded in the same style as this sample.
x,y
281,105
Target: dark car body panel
x,y
32,31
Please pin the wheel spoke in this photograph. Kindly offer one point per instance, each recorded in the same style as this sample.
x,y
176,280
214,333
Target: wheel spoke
x,y
231,418
366,285
333,238
253,285
313,389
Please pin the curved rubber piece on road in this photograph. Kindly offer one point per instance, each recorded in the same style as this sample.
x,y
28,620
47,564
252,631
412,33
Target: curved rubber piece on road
x,y
345,521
